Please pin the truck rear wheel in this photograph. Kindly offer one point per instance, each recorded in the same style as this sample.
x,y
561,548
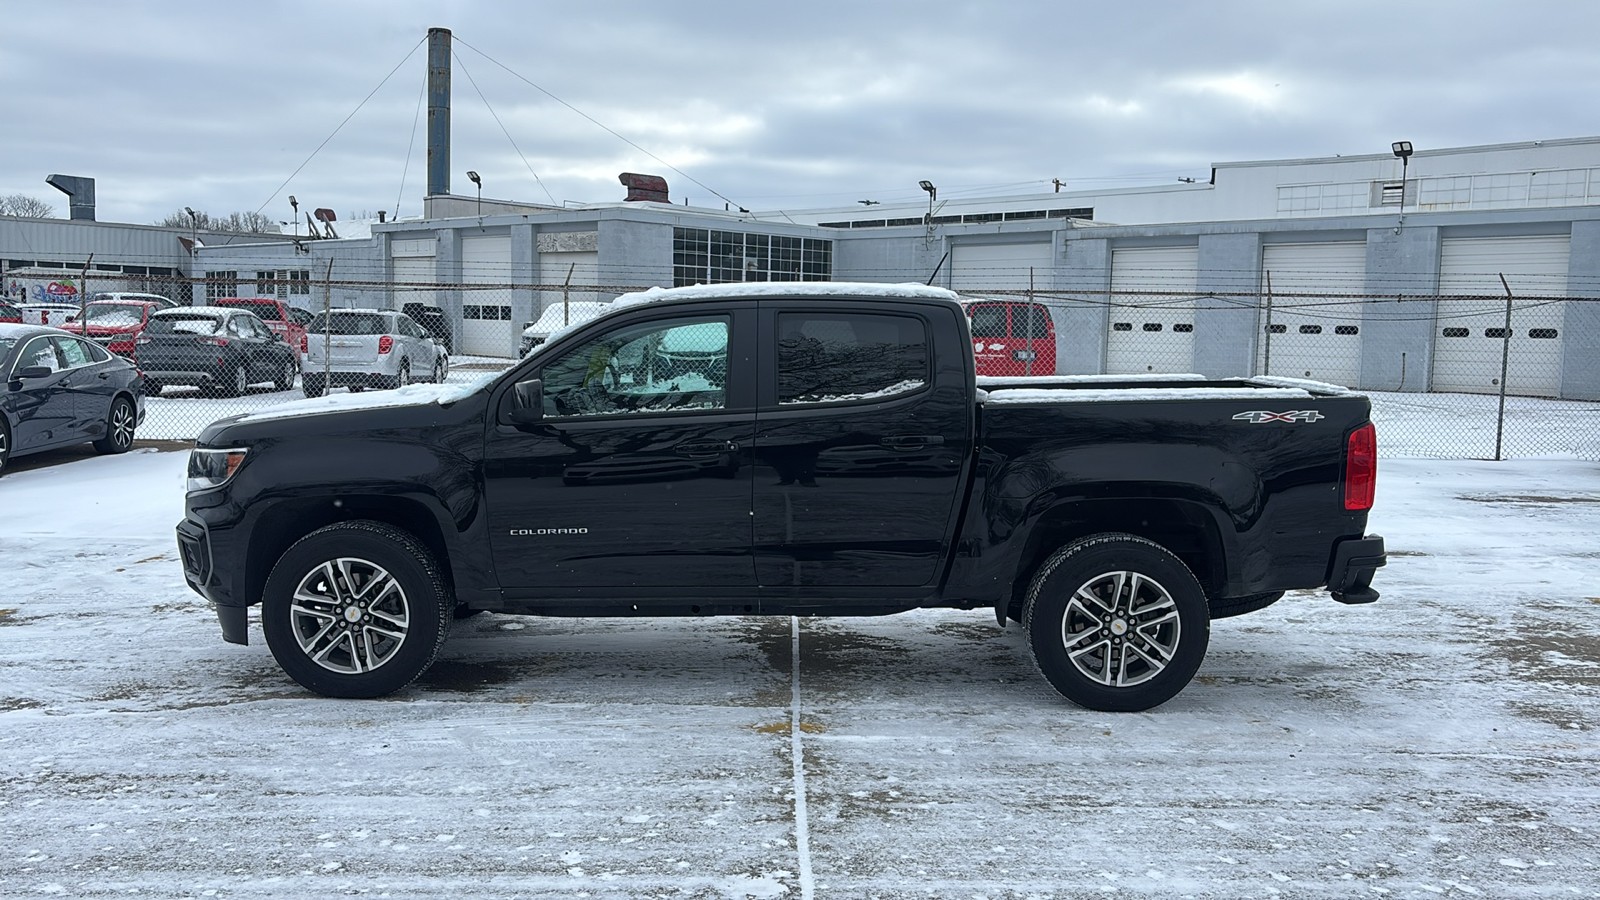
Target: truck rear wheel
x,y
1116,623
356,609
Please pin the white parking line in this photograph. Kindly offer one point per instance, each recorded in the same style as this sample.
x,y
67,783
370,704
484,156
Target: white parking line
x,y
802,835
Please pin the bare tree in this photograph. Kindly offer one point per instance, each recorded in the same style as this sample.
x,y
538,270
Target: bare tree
x,y
23,205
240,222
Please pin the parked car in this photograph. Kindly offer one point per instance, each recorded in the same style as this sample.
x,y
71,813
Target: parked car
x,y
556,317
60,389
55,314
10,313
278,315
135,296
300,315
1011,337
433,321
115,323
221,350
849,464
371,348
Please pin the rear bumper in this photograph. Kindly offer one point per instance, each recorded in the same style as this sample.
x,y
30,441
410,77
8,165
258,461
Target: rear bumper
x,y
182,376
1350,572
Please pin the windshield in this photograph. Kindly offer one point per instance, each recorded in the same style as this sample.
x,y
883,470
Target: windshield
x,y
349,323
114,313
191,324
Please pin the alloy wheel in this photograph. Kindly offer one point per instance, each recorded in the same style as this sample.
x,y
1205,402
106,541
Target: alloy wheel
x,y
122,424
349,615
1121,629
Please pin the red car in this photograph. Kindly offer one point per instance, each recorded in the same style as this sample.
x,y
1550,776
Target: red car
x,y
277,314
114,324
9,313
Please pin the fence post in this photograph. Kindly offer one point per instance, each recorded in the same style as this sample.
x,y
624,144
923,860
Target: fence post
x,y
327,329
1266,361
1505,366
1028,370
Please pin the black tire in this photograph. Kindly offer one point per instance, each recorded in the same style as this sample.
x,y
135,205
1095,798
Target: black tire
x,y
120,423
312,384
152,388
1228,607
232,383
402,377
285,378
397,635
5,446
1128,659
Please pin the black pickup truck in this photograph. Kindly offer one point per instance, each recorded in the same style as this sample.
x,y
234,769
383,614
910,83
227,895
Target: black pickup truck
x,y
798,449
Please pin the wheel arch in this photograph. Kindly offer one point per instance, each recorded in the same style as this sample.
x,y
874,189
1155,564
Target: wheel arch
x,y
1186,528
288,521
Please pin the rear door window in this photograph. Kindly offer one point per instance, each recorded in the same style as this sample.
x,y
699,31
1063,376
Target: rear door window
x,y
838,357
989,321
183,325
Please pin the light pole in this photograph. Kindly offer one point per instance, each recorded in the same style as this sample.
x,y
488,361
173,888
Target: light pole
x,y
473,177
194,239
933,194
295,205
1402,149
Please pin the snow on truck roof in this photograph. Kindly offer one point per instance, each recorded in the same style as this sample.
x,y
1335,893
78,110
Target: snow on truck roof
x,y
756,290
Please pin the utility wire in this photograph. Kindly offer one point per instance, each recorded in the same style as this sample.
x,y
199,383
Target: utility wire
x,y
502,125
598,123
417,117
340,126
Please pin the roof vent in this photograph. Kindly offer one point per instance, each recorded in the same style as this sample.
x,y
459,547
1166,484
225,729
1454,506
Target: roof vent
x,y
651,188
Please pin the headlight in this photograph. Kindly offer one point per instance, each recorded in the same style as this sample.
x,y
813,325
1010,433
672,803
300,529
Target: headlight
x,y
209,468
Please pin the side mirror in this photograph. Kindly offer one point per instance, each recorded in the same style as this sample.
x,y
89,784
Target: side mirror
x,y
27,372
527,402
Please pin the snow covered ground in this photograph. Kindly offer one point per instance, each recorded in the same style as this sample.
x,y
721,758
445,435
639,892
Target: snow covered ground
x,y
1441,742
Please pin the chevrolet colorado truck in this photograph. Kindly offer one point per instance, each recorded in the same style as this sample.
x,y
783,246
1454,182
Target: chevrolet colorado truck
x,y
782,449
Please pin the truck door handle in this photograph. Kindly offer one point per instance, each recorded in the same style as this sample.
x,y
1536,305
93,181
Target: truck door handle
x,y
911,441
705,448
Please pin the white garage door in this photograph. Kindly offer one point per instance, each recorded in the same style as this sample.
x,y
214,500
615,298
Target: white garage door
x,y
979,268
555,267
1315,337
413,263
486,327
1469,336
1152,332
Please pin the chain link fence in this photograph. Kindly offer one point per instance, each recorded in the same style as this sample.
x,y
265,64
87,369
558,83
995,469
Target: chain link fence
x,y
1455,377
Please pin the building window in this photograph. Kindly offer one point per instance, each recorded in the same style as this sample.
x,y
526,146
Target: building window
x,y
300,282
270,283
703,256
221,284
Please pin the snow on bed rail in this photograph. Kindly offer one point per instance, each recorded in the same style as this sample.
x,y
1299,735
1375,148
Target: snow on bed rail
x,y
1043,396
989,381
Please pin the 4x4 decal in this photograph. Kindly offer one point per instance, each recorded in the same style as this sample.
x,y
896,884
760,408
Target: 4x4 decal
x,y
1258,416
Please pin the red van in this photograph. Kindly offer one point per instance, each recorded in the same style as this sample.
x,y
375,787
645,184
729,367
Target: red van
x,y
1011,337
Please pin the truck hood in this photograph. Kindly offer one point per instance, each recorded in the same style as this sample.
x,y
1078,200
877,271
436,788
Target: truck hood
x,y
416,405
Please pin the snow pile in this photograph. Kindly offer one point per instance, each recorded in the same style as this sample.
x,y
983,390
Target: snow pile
x,y
410,395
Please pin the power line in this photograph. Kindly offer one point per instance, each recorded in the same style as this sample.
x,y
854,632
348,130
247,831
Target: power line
x,y
502,125
598,123
336,130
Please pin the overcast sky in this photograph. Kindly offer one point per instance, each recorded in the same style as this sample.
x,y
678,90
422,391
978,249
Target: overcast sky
x,y
773,106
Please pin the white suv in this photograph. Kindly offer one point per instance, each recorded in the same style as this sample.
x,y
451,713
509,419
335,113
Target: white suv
x,y
371,348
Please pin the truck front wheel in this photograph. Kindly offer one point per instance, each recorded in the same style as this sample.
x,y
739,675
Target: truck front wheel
x,y
356,609
1116,623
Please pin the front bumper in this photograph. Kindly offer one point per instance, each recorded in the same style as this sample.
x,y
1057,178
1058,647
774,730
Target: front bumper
x,y
1354,563
200,571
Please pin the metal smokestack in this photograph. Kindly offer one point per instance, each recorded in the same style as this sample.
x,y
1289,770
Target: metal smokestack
x,y
438,111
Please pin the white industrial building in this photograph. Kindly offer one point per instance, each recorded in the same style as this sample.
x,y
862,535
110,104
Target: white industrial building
x,y
1353,269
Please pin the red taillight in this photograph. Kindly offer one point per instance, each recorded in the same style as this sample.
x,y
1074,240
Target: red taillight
x,y
304,346
385,344
1361,468
220,342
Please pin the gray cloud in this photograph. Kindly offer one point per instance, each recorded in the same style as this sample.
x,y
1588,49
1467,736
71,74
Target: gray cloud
x,y
214,105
